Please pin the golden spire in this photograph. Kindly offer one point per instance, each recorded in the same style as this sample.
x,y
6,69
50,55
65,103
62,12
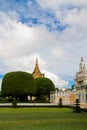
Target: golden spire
x,y
36,66
36,73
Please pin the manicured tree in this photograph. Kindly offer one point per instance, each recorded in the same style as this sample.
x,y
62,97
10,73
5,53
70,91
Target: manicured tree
x,y
77,108
18,85
14,102
44,86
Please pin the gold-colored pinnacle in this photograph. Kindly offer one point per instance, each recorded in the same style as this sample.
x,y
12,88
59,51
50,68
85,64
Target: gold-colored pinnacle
x,y
36,73
36,66
36,61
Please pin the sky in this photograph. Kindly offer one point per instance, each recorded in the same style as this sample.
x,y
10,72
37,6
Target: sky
x,y
54,31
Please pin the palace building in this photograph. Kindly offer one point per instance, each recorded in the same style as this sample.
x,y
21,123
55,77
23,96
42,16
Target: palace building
x,y
36,73
81,84
68,96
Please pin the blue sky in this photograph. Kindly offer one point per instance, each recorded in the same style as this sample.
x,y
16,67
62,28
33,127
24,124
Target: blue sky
x,y
52,30
30,13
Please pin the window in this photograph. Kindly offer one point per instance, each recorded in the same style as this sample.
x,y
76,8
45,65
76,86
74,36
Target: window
x,y
86,98
82,96
79,97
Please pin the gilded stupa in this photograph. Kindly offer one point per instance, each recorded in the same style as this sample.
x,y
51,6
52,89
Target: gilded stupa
x,y
36,73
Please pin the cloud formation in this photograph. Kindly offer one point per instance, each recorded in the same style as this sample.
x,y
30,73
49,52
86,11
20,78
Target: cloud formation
x,y
20,45
59,83
52,30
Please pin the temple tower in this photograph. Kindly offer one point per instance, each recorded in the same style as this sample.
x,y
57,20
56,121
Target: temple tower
x,y
81,84
36,73
81,76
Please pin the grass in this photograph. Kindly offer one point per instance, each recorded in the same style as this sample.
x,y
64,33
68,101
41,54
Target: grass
x,y
42,119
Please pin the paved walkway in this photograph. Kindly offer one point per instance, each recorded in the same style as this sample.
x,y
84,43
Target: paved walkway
x,y
27,104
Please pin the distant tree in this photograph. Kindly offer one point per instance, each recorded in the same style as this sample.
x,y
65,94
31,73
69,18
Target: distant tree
x,y
72,87
44,86
18,85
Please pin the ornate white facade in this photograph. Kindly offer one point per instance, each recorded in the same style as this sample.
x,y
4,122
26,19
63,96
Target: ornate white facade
x,y
81,76
81,84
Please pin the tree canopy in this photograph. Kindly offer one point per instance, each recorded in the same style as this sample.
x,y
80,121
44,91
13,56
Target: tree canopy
x,y
18,84
44,86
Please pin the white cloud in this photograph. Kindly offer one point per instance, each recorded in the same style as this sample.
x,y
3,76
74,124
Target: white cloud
x,y
25,63
75,17
59,83
18,39
59,53
55,4
18,42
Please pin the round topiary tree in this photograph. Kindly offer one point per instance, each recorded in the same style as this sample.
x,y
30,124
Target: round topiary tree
x,y
44,86
77,108
18,85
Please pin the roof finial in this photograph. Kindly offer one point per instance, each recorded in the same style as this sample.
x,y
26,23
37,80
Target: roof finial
x,y
36,60
82,65
81,59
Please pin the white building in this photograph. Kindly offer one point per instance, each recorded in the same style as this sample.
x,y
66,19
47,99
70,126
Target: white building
x,y
68,97
81,84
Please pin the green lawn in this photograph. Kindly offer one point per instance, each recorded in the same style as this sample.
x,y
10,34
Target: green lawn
x,y
42,119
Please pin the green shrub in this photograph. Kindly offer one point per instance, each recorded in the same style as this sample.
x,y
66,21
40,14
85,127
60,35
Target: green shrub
x,y
14,102
18,84
44,86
